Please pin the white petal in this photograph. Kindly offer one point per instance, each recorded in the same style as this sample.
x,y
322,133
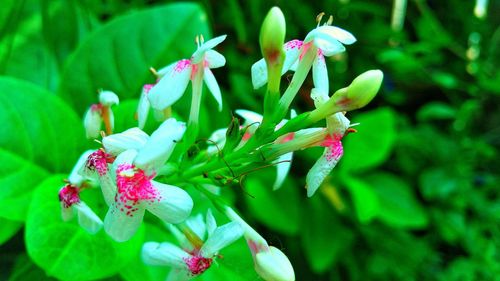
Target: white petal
x,y
329,47
337,33
171,86
282,169
214,59
154,253
92,123
75,177
274,265
143,109
108,187
320,74
319,97
210,44
212,85
197,225
337,124
87,218
249,116
67,213
222,236
160,145
211,223
322,168
133,138
177,274
180,237
121,223
292,52
174,205
259,74
108,98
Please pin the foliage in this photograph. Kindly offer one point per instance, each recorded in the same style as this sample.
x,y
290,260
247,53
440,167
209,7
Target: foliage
x,y
415,196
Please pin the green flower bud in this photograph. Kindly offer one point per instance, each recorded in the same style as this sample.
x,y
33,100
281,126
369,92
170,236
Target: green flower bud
x,y
272,36
362,90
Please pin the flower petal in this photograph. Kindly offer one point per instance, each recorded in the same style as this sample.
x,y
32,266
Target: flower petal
x,y
171,86
283,167
320,74
214,59
292,52
121,223
108,98
319,97
259,74
174,204
210,44
197,225
67,213
328,46
211,223
92,123
108,188
154,253
133,138
249,116
87,218
274,265
337,124
143,107
75,177
212,85
160,145
337,33
323,166
220,238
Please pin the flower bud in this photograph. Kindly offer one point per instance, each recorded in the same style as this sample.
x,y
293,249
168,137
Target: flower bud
x,y
92,121
272,35
108,98
273,265
363,89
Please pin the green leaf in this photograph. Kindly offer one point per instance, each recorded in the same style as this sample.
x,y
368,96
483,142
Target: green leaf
x,y
436,110
24,269
278,210
373,142
398,206
364,198
64,249
9,228
118,55
39,135
324,238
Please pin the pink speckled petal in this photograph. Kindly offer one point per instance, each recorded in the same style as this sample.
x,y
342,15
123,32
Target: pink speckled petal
x,y
292,52
220,238
174,204
171,86
323,166
320,74
121,223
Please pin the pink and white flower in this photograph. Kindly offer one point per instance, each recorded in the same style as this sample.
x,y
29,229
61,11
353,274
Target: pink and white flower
x,y
71,204
198,249
99,113
325,40
136,191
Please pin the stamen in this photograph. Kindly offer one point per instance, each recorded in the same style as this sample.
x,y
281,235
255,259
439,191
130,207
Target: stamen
x,y
69,195
202,40
319,17
152,70
198,264
329,21
197,40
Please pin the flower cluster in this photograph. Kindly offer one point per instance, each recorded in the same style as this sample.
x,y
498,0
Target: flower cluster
x,y
158,172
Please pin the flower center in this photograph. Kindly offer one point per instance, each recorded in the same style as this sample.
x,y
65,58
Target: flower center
x,y
335,149
98,161
198,264
134,186
69,195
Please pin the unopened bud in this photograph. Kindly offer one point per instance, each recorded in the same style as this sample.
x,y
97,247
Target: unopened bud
x,y
273,265
363,89
272,35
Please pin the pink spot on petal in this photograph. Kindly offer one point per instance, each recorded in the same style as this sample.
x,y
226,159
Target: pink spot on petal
x,y
134,186
288,137
198,264
181,65
246,136
69,195
96,108
294,44
147,87
304,49
335,149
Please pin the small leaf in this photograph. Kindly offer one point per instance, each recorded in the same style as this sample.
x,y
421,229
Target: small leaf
x,y
64,249
398,206
373,142
364,198
436,110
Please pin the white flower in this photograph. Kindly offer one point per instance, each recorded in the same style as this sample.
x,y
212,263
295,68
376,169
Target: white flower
x,y
337,126
99,113
325,40
175,77
199,248
69,196
136,191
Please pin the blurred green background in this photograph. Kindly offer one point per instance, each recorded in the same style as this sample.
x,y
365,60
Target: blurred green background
x,y
416,196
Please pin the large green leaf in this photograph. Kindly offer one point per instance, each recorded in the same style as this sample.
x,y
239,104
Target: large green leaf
x,y
364,198
8,229
118,55
322,231
64,249
278,210
373,142
398,206
39,135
